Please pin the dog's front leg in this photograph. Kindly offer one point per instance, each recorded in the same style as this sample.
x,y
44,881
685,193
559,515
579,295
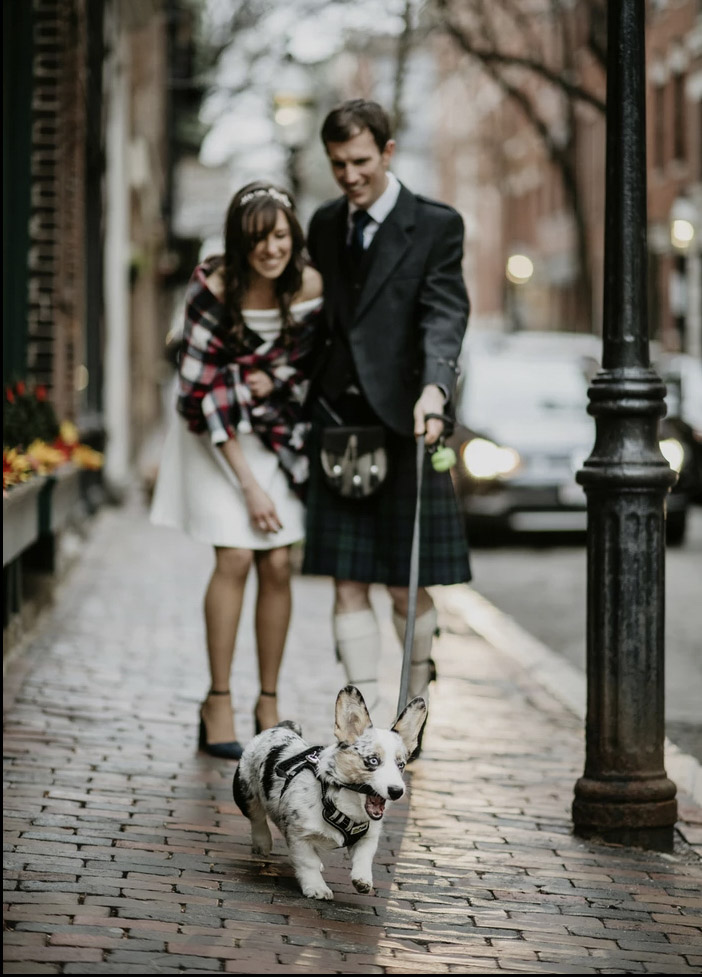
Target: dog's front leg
x,y
306,864
362,855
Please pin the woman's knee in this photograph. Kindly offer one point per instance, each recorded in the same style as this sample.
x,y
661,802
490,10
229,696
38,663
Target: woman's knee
x,y
274,567
233,563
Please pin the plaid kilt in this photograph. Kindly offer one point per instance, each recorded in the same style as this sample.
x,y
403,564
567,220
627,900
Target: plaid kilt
x,y
370,540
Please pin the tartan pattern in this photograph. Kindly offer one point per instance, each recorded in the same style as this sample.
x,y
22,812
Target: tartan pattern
x,y
212,391
370,540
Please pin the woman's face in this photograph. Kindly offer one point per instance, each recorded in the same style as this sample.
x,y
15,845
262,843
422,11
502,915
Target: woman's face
x,y
270,256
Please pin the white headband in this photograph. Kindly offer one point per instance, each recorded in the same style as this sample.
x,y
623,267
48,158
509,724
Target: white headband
x,y
282,198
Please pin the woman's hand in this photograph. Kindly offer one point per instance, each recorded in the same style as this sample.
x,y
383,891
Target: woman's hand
x,y
259,383
262,512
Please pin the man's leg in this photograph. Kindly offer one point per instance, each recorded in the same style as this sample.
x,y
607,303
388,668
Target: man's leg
x,y
357,637
421,669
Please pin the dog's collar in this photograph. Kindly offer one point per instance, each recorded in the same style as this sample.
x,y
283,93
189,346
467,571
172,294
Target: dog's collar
x,y
351,831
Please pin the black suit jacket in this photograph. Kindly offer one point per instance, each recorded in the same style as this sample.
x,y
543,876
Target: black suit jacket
x,y
406,325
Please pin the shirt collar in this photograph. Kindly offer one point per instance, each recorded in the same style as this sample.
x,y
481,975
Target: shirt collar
x,y
385,202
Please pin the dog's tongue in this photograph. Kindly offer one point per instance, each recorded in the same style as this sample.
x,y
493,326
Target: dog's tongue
x,y
375,806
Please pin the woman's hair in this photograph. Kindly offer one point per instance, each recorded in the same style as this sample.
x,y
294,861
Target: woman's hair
x,y
251,217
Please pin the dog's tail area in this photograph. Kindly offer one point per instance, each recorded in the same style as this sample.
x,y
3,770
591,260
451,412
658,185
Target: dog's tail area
x,y
290,724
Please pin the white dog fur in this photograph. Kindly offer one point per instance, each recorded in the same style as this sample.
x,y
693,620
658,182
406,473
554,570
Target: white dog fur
x,y
352,779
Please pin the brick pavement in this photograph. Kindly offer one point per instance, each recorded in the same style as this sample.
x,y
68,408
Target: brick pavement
x,y
124,852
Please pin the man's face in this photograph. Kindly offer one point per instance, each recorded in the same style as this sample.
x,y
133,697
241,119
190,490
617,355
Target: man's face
x,y
360,168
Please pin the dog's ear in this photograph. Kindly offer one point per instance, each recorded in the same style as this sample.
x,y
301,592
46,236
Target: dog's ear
x,y
409,723
351,718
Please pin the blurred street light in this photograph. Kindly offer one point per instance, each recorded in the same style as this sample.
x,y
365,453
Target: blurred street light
x,y
293,111
518,272
683,216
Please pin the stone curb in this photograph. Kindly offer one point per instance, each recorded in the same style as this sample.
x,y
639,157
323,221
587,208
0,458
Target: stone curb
x,y
551,670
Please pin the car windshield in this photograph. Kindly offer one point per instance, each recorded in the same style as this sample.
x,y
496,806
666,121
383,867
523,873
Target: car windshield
x,y
497,387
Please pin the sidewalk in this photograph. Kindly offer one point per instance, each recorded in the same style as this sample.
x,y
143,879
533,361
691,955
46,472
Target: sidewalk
x,y
124,852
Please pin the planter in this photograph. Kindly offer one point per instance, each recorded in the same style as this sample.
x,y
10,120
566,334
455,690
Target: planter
x,y
20,518
59,499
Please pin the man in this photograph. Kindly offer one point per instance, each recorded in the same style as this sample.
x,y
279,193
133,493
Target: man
x,y
396,310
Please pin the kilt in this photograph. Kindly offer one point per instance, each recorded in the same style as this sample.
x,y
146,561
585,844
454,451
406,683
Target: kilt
x,y
370,540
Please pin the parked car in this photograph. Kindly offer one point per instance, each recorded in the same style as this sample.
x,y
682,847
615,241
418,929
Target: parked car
x,y
523,431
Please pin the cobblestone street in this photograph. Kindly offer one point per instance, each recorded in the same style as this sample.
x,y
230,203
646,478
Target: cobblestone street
x,y
124,851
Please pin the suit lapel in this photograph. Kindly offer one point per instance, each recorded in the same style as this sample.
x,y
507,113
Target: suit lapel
x,y
388,248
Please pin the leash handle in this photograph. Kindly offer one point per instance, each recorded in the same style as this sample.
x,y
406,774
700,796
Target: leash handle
x,y
413,585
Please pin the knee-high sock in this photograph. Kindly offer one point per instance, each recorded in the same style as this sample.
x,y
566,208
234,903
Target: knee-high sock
x,y
357,638
420,669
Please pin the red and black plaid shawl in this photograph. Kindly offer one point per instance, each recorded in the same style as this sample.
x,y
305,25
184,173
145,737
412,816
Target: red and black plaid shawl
x,y
214,364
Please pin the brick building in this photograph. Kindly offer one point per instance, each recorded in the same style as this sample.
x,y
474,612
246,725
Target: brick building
x,y
508,171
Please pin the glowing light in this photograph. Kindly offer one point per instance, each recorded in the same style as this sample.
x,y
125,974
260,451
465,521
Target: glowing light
x,y
673,452
485,459
682,233
519,269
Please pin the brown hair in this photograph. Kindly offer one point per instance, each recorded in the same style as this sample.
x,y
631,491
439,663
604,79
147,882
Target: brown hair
x,y
353,116
251,217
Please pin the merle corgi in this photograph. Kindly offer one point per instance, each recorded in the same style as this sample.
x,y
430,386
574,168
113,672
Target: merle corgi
x,y
326,797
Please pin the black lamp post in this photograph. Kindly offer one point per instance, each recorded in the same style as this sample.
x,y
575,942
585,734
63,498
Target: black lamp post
x,y
624,795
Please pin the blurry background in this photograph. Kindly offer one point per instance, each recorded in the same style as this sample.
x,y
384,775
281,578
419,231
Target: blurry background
x,y
128,125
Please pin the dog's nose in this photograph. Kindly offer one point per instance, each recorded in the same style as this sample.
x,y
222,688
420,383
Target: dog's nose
x,y
395,793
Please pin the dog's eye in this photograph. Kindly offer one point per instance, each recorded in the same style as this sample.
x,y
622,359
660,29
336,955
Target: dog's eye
x,y
372,761
401,764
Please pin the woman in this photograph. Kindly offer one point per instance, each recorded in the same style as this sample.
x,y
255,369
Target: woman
x,y
234,465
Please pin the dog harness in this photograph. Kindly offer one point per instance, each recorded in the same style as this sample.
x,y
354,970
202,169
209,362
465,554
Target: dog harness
x,y
351,831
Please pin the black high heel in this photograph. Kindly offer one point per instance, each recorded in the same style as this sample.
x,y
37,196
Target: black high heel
x,y
257,725
223,751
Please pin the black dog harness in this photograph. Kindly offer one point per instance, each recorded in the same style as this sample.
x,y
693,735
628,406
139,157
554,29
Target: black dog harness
x,y
351,831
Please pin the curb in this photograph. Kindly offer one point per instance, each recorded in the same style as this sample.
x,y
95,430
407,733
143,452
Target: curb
x,y
551,670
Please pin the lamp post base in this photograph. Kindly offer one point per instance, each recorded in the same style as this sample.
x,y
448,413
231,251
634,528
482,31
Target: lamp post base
x,y
639,813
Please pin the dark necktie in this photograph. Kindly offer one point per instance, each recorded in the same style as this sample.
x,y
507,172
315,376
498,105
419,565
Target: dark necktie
x,y
361,219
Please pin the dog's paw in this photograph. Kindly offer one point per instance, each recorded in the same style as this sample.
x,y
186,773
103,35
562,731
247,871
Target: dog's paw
x,y
362,885
320,891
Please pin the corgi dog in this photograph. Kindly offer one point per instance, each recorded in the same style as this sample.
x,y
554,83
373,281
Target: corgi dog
x,y
326,797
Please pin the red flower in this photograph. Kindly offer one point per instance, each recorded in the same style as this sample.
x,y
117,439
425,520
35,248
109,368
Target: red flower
x,y
21,388
9,395
41,393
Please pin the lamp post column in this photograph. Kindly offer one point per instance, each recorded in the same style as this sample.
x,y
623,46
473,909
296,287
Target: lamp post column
x,y
624,794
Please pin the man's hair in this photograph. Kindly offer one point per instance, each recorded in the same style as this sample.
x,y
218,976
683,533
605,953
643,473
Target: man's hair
x,y
353,116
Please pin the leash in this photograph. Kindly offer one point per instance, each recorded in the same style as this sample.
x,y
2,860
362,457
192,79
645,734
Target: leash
x,y
413,584
414,561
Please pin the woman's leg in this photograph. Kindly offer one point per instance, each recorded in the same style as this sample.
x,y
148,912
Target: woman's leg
x,y
223,600
273,606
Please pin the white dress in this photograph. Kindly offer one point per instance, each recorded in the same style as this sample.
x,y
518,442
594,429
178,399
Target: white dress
x,y
196,489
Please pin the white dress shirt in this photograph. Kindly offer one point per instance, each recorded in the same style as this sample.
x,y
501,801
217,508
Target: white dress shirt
x,y
378,211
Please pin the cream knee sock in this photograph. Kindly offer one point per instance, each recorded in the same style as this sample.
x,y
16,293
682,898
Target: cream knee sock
x,y
420,669
357,638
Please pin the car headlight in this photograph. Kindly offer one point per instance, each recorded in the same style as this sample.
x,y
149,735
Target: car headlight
x,y
485,459
673,452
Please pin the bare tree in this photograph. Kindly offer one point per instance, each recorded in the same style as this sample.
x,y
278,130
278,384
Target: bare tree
x,y
525,47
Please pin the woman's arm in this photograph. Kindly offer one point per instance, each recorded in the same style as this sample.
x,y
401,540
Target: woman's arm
x,y
262,511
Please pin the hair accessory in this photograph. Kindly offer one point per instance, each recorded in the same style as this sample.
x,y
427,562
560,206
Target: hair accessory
x,y
282,198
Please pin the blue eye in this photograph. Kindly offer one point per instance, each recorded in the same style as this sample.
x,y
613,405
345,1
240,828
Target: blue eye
x,y
372,761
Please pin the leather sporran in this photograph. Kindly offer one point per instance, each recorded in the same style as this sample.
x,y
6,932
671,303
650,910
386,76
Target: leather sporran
x,y
354,460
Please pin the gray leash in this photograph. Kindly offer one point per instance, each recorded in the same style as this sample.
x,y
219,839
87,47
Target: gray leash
x,y
413,585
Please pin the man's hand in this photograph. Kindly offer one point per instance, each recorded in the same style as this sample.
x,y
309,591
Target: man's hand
x,y
432,401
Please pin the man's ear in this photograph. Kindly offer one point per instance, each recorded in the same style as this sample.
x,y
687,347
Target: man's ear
x,y
388,152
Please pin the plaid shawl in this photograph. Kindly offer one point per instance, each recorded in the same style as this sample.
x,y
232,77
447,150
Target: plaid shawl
x,y
214,364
